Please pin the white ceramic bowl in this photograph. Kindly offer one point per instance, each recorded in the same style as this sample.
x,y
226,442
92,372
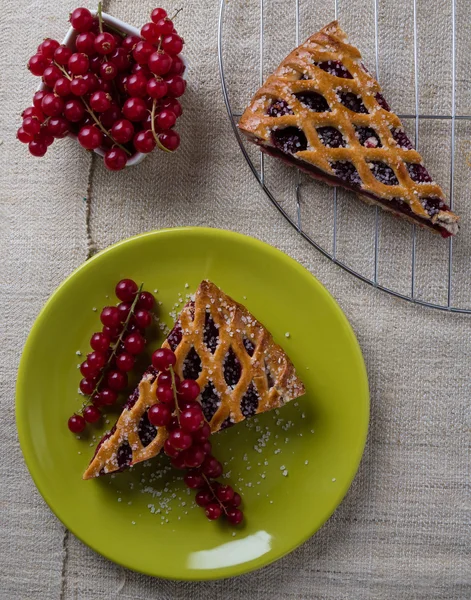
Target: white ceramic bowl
x,y
129,30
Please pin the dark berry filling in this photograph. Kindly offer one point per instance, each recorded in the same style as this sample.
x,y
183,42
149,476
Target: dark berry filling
x,y
433,205
210,333
175,336
249,402
353,102
124,455
380,99
347,172
418,173
368,137
249,347
331,137
279,108
401,138
232,368
192,365
226,423
289,140
209,401
314,101
383,173
335,67
146,430
131,401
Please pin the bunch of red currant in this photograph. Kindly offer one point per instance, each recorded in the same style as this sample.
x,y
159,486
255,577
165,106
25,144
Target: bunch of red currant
x,y
116,92
187,444
113,351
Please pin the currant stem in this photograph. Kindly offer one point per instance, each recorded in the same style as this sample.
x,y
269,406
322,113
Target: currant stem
x,y
100,16
156,137
178,11
174,390
214,494
92,114
116,345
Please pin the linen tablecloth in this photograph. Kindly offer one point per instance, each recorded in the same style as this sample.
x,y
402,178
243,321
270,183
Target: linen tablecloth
x,y
403,532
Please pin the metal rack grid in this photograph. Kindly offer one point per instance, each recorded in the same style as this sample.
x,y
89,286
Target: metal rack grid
x,y
296,221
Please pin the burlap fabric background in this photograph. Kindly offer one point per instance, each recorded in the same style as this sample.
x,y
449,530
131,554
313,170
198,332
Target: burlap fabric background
x,y
403,532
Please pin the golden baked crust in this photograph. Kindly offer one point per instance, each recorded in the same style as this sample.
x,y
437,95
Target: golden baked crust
x,y
300,73
216,327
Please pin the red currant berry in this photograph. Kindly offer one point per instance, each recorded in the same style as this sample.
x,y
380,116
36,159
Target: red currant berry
x,y
178,66
142,51
212,467
188,390
100,342
74,110
122,131
62,87
107,397
95,63
76,423
117,380
165,395
85,43
136,85
110,116
178,462
78,63
31,126
165,379
126,289
150,32
157,14
144,69
172,43
100,101
125,361
173,425
203,498
92,82
37,99
33,111
129,42
235,500
88,370
184,405
166,119
170,450
235,516
160,62
108,71
191,420
48,47
173,105
52,105
146,301
225,493
91,414
176,86
120,59
194,480
104,85
194,457
112,332
202,434
37,64
105,43
180,440
97,360
37,148
81,19
134,343
156,88
90,137
110,316
62,55
169,139
51,75
124,308
23,137
163,359
213,511
205,446
164,26
135,109
143,318
79,86
87,386
159,415
144,141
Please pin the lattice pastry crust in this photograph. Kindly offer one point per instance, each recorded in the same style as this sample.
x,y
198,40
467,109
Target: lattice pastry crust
x,y
240,369
347,134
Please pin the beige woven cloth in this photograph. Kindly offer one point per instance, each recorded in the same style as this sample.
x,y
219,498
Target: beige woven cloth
x,y
403,532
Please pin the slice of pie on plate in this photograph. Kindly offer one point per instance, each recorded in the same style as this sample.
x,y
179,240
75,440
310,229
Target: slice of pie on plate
x,y
234,359
323,112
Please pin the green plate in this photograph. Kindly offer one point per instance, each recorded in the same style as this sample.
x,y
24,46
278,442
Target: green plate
x,y
292,466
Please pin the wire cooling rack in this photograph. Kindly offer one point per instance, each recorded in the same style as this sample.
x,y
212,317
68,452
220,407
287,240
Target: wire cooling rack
x,y
387,253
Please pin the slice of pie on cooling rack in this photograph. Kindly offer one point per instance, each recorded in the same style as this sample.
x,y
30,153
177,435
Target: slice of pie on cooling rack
x,y
324,113
241,372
